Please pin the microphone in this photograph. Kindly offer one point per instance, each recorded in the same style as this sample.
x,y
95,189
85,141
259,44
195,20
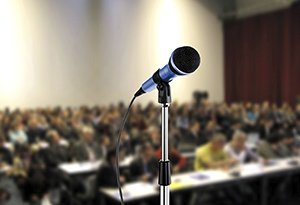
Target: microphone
x,y
183,61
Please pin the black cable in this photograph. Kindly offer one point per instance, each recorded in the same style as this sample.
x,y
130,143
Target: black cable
x,y
118,149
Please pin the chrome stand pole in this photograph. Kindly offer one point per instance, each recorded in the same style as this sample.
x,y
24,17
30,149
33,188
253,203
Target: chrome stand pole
x,y
164,188
164,179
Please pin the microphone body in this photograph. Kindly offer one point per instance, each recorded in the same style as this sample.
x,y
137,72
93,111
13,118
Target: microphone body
x,y
184,60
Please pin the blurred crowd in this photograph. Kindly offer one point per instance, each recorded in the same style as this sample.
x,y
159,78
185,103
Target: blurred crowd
x,y
34,142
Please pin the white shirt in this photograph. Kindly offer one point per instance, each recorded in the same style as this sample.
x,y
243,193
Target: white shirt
x,y
240,156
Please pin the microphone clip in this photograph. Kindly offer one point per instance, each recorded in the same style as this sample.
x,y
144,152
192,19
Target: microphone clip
x,y
164,92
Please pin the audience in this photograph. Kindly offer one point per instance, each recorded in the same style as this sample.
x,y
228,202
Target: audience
x,y
33,141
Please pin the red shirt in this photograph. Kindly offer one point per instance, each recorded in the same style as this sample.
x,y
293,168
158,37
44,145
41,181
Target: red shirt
x,y
175,157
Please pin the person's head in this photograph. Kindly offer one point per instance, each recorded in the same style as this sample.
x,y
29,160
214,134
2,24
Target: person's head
x,y
105,141
154,134
17,125
125,135
265,105
195,126
268,122
87,134
211,126
147,150
298,107
33,123
53,136
217,141
111,155
236,124
249,106
238,140
274,140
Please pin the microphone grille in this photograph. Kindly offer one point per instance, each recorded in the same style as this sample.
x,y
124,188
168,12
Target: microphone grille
x,y
186,59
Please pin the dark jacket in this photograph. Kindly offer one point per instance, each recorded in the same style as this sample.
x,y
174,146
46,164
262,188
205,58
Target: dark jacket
x,y
138,168
5,155
55,155
80,151
106,176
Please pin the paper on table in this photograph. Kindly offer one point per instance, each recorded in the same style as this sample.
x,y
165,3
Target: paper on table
x,y
251,169
126,195
138,189
187,181
199,176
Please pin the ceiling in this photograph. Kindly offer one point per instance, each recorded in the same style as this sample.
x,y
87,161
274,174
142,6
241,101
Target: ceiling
x,y
228,9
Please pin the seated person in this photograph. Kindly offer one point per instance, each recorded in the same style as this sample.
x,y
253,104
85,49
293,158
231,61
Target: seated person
x,y
56,153
289,146
296,129
22,161
178,162
235,124
86,149
190,138
106,176
17,134
237,149
270,148
145,166
34,132
5,154
154,136
193,135
212,155
266,126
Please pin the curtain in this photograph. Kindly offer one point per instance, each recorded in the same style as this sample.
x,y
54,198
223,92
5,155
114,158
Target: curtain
x,y
262,57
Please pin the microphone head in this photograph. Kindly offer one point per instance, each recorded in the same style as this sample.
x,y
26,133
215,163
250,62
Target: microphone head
x,y
184,60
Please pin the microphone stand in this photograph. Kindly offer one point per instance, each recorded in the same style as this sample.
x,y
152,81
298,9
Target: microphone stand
x,y
164,177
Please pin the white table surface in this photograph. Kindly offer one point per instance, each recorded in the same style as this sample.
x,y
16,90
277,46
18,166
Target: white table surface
x,y
89,166
138,190
80,167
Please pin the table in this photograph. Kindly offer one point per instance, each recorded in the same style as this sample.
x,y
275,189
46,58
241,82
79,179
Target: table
x,y
78,168
203,179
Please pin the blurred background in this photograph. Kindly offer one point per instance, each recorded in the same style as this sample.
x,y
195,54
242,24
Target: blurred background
x,y
68,69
